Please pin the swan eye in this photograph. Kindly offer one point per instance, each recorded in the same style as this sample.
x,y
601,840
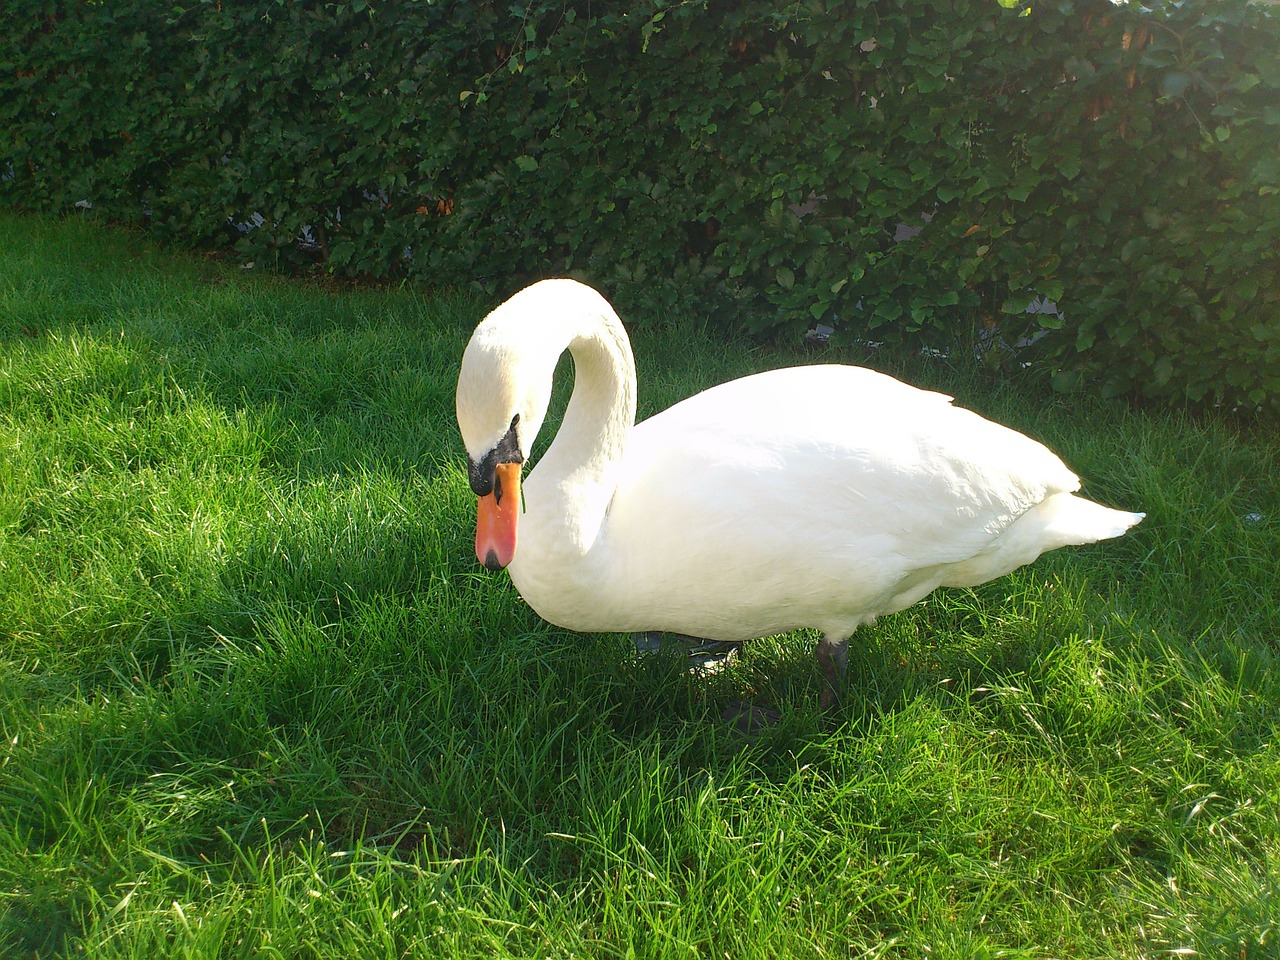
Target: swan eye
x,y
507,450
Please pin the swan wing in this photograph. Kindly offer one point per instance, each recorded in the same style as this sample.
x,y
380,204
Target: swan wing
x,y
811,496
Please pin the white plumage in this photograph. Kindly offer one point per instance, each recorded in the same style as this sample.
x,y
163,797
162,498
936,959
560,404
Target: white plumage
x,y
815,496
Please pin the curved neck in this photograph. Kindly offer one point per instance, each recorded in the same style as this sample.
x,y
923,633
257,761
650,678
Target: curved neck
x,y
579,469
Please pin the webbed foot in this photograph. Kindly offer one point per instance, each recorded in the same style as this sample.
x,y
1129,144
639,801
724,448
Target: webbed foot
x,y
704,656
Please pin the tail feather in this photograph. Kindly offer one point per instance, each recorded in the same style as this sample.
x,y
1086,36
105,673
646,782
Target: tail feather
x,y
1063,520
1070,520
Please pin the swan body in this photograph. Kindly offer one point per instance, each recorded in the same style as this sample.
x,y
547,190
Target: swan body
x,y
815,496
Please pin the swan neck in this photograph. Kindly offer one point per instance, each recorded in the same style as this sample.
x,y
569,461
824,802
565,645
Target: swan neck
x,y
602,407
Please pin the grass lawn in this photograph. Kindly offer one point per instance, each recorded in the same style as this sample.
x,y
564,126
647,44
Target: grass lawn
x,y
258,699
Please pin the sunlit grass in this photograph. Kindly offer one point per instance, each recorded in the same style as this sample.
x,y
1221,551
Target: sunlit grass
x,y
258,700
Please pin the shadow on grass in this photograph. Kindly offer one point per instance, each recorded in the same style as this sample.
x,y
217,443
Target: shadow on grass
x,y
246,613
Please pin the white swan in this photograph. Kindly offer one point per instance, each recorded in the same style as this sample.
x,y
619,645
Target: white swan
x,y
814,496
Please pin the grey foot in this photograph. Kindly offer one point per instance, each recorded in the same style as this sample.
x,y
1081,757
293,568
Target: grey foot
x,y
704,656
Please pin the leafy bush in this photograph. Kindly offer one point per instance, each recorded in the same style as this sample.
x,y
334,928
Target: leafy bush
x,y
753,162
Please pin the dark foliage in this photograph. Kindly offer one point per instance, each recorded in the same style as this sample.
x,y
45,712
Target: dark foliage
x,y
751,160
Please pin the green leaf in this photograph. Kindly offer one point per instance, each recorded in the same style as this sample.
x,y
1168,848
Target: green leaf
x,y
1174,84
1017,303
1020,191
527,164
1067,381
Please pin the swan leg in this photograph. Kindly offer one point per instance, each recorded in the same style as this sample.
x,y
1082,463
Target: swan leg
x,y
833,657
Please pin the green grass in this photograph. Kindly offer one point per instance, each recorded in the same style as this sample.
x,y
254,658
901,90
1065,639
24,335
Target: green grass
x,y
257,699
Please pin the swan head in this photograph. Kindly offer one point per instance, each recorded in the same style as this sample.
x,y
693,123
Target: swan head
x,y
495,480
504,388
501,402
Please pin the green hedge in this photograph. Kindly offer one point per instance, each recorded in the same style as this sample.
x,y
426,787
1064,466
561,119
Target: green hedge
x,y
1120,160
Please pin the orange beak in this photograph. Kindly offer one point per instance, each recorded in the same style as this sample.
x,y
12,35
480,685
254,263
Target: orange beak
x,y
496,518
